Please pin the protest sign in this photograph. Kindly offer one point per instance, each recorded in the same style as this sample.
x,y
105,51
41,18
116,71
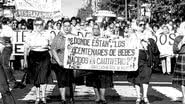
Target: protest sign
x,y
165,43
100,54
18,42
46,9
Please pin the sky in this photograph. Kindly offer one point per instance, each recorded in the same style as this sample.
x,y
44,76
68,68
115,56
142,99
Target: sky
x,y
70,7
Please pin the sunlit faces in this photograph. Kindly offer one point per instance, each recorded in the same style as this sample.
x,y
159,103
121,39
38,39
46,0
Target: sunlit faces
x,y
96,30
165,29
38,25
58,25
141,25
67,27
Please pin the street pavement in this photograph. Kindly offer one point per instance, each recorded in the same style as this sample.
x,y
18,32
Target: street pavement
x,y
161,91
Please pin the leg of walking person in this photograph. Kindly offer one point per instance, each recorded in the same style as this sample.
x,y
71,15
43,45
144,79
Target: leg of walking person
x,y
168,64
183,94
163,63
138,92
5,62
37,90
145,92
7,97
97,94
43,90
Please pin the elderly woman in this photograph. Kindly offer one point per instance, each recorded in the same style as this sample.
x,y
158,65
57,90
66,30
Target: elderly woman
x,y
37,49
179,70
99,80
64,76
141,77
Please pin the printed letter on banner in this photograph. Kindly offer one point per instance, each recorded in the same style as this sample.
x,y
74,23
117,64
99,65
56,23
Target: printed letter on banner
x,y
100,54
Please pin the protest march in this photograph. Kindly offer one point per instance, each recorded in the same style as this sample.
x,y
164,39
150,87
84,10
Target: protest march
x,y
89,48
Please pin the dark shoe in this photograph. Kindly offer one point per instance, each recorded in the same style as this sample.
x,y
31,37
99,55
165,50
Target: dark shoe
x,y
43,100
71,101
37,101
19,85
103,102
138,101
63,102
98,102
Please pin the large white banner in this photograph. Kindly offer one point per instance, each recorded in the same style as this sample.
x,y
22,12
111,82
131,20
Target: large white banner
x,y
100,54
46,9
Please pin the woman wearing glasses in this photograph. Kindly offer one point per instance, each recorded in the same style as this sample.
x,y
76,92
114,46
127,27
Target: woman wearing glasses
x,y
37,49
141,77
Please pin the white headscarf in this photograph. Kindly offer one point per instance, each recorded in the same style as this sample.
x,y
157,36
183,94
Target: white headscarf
x,y
181,29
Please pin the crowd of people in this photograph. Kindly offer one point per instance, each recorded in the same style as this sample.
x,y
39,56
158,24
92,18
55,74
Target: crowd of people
x,y
40,57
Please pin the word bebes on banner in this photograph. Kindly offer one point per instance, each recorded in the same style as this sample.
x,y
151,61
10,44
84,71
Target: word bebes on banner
x,y
100,54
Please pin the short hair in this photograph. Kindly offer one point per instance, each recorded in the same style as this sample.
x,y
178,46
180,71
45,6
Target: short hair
x,y
5,20
73,18
39,19
78,20
66,20
95,24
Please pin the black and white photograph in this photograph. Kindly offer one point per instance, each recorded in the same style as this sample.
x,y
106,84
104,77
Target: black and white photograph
x,y
92,52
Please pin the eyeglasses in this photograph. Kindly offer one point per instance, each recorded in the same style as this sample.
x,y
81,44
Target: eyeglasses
x,y
38,24
140,25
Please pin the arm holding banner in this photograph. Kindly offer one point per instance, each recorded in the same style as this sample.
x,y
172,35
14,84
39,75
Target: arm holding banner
x,y
55,56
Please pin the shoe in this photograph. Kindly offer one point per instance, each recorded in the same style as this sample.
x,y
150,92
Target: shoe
x,y
37,101
63,102
19,85
146,101
138,101
43,100
103,102
98,101
71,101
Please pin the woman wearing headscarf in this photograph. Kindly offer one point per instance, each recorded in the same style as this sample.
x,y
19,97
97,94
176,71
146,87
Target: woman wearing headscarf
x,y
179,70
37,58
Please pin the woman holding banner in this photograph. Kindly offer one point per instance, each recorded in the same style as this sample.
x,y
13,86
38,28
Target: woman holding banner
x,y
179,70
100,80
141,77
38,58
64,76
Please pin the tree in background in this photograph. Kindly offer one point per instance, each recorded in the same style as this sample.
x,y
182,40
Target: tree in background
x,y
85,12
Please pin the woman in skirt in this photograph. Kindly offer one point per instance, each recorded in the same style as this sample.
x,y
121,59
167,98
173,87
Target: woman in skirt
x,y
37,49
141,78
179,70
64,76
99,80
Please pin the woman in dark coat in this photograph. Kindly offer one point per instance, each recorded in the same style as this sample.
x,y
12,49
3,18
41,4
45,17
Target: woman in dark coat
x,y
141,77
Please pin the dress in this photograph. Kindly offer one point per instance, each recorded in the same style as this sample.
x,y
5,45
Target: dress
x,y
39,58
144,72
99,79
39,67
